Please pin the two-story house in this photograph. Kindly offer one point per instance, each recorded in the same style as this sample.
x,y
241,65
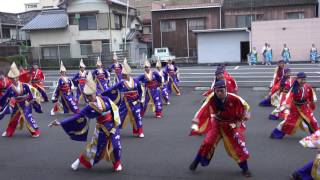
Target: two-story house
x,y
11,23
82,29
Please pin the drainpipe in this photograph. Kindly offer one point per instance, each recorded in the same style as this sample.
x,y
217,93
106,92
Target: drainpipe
x,y
220,17
160,34
188,45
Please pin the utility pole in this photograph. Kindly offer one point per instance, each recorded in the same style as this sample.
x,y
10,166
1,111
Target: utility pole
x,y
109,11
1,35
125,34
17,29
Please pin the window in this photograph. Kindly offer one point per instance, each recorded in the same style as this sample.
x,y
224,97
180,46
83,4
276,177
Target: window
x,y
146,30
47,7
105,48
243,21
32,6
50,53
73,20
259,17
196,24
295,15
103,21
64,51
85,48
56,52
6,33
88,22
167,26
161,50
117,21
121,46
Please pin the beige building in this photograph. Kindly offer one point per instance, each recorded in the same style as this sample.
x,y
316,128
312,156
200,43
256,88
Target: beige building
x,y
298,34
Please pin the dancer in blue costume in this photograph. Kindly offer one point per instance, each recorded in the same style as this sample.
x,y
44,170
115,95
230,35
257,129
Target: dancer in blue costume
x,y
152,82
127,94
63,95
102,77
79,80
105,143
164,89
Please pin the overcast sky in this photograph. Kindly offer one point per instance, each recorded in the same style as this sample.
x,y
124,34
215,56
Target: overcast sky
x,y
14,6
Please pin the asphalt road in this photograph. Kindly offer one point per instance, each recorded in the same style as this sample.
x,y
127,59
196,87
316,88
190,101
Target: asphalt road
x,y
165,152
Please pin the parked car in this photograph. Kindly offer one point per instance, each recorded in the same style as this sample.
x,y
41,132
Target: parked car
x,y
163,54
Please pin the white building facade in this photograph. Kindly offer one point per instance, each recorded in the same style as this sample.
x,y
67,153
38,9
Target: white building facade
x,y
222,45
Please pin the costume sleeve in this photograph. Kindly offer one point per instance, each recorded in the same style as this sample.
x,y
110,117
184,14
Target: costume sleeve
x,y
77,126
115,112
75,79
202,118
141,78
107,74
116,87
234,85
5,97
140,91
110,68
274,77
94,74
158,77
55,94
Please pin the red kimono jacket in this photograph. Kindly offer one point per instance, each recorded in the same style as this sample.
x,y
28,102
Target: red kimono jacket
x,y
4,85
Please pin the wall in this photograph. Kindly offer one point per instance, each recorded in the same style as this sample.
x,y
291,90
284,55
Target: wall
x,y
220,46
87,6
297,34
269,13
176,41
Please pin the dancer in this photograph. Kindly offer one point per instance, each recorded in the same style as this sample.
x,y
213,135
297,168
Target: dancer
x,y
79,80
20,105
220,118
63,95
301,103
128,94
105,143
152,82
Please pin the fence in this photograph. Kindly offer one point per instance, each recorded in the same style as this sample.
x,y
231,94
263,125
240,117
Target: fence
x,y
8,50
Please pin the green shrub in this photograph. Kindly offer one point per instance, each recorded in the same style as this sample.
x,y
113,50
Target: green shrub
x,y
18,59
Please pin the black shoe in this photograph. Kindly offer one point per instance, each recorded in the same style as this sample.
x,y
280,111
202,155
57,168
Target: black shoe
x,y
193,166
296,176
272,136
246,173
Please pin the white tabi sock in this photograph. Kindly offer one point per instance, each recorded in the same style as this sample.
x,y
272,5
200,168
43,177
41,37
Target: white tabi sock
x,y
75,164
